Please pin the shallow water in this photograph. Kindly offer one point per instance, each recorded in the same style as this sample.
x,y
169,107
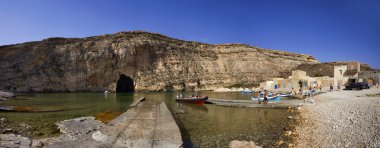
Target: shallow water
x,y
73,105
201,125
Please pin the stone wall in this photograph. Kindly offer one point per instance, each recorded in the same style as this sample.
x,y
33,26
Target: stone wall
x,y
152,61
368,76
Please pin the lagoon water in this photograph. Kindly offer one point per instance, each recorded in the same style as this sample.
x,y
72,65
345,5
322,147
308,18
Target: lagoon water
x,y
205,125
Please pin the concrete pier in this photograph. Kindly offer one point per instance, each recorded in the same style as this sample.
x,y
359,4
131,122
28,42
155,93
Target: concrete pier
x,y
137,101
147,125
250,103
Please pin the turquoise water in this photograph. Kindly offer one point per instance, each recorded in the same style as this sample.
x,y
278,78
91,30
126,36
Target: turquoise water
x,y
201,125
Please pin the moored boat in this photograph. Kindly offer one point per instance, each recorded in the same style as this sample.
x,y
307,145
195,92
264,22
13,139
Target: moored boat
x,y
285,95
196,100
246,91
270,98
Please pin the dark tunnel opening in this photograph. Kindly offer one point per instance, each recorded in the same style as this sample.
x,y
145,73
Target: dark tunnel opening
x,y
125,84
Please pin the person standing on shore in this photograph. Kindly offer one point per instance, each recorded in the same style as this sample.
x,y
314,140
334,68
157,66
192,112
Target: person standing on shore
x,y
377,85
338,86
265,97
331,88
259,96
293,92
310,92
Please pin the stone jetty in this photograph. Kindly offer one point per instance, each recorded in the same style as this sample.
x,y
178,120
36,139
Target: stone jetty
x,y
250,103
146,124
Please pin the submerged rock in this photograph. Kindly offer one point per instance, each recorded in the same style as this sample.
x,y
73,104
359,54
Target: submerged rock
x,y
180,111
243,144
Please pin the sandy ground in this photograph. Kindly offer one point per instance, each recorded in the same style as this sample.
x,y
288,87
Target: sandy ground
x,y
341,119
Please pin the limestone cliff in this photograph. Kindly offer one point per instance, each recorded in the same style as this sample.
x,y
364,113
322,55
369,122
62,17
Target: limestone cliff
x,y
146,61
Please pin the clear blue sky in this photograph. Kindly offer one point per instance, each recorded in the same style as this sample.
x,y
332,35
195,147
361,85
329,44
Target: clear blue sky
x,y
330,30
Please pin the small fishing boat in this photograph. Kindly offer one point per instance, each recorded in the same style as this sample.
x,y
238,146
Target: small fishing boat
x,y
246,91
270,98
285,95
196,100
269,94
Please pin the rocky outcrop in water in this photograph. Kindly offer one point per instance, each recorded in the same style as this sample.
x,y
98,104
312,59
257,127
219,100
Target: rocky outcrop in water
x,y
137,60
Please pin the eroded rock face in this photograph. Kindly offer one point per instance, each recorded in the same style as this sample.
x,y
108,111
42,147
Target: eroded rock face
x,y
152,61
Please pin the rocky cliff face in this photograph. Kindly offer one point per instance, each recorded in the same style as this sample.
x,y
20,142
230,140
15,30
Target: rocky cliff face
x,y
145,61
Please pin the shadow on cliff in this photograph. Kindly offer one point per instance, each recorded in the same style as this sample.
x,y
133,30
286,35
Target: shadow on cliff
x,y
125,84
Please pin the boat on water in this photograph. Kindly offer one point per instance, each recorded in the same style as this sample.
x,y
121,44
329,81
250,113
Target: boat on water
x,y
196,99
270,98
246,91
285,95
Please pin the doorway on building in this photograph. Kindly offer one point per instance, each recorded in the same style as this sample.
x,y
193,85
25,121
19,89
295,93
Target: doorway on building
x,y
370,81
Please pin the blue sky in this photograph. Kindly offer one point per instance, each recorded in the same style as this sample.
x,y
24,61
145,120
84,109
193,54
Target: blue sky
x,y
330,30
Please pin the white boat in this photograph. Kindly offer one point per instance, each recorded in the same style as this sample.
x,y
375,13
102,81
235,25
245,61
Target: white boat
x,y
285,95
272,98
246,91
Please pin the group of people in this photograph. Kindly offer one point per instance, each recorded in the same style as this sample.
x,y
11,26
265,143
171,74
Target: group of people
x,y
309,92
265,101
332,87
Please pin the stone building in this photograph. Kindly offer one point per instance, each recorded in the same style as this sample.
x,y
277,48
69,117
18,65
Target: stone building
x,y
339,77
370,77
343,74
297,77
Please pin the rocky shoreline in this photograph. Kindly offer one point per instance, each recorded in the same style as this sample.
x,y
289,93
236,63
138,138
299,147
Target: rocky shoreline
x,y
70,130
341,119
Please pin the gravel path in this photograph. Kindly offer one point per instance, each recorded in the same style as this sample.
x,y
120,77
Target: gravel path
x,y
341,119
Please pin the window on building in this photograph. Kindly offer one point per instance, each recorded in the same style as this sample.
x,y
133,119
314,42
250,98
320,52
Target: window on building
x,y
341,72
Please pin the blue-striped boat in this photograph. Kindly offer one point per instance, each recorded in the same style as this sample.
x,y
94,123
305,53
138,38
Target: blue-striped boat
x,y
270,98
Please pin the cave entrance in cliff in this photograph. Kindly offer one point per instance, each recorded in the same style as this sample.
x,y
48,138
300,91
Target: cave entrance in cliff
x,y
125,84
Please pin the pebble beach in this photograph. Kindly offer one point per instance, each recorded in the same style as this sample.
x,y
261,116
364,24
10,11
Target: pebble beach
x,y
341,119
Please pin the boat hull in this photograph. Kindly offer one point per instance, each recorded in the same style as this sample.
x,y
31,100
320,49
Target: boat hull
x,y
196,100
285,95
273,98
